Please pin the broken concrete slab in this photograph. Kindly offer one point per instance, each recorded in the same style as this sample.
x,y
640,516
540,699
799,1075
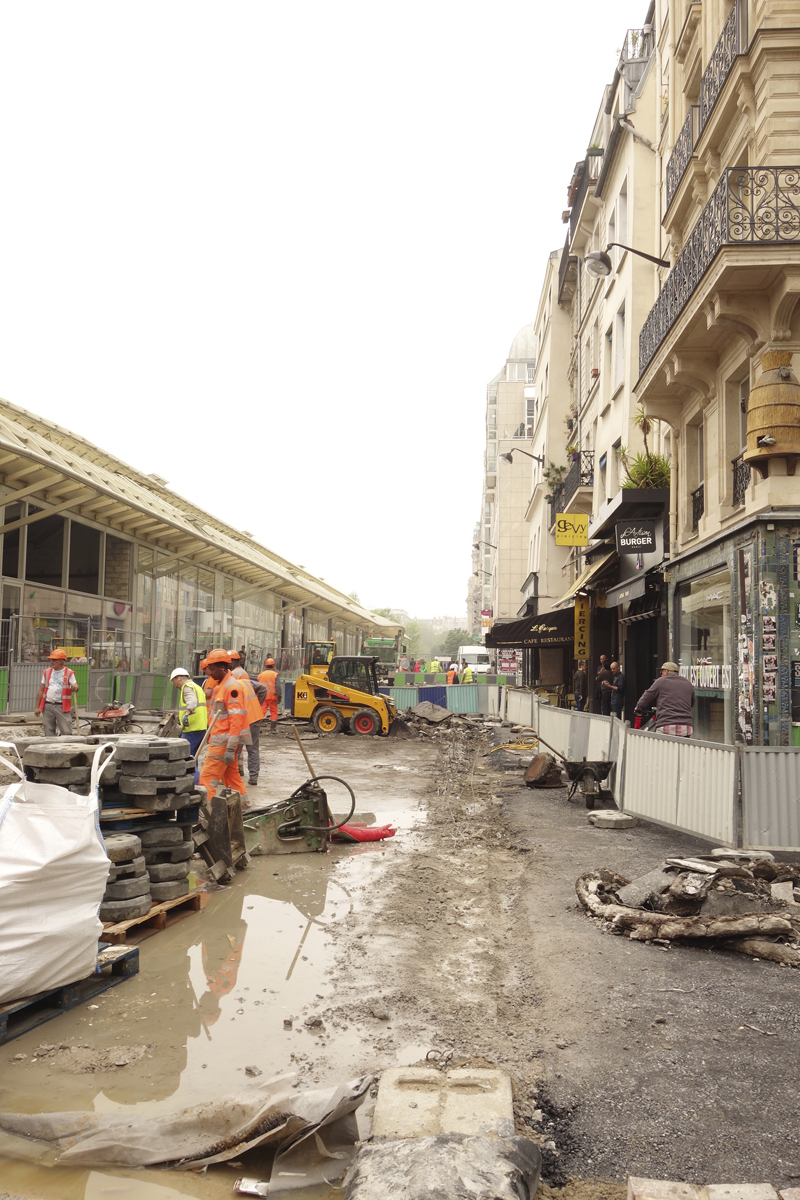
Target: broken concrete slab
x,y
640,892
125,870
418,1102
126,889
608,818
434,713
483,1168
782,892
53,756
742,855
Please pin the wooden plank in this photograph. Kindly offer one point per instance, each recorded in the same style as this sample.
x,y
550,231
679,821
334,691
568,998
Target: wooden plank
x,y
115,964
159,917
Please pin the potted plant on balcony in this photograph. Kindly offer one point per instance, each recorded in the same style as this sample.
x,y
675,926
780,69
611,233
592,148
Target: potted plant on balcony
x,y
648,470
594,151
554,476
573,452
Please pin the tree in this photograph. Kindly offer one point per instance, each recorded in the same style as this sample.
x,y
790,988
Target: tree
x,y
451,641
382,612
413,638
354,597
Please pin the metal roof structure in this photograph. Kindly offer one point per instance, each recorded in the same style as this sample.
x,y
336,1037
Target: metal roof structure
x,y
64,472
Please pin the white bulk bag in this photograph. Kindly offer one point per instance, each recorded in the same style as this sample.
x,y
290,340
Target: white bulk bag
x,y
53,873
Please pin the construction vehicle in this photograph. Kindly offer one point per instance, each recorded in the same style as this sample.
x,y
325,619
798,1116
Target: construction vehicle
x,y
317,657
347,694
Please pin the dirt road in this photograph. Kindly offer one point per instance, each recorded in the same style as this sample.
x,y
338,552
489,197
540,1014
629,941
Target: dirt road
x,y
459,939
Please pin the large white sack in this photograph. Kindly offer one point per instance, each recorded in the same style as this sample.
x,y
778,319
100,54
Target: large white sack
x,y
53,873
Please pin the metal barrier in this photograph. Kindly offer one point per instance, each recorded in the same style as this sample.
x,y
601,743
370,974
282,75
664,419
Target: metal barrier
x,y
682,783
23,684
555,725
770,797
464,698
152,691
616,752
404,697
519,707
3,689
100,690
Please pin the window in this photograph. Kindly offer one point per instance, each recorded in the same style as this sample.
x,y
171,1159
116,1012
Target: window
x,y
84,558
619,347
612,236
13,512
43,562
531,372
705,652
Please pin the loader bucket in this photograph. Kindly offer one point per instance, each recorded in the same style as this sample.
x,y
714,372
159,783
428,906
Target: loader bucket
x,y
399,728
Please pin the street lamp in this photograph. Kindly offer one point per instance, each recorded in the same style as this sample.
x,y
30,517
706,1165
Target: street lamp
x,y
598,263
477,545
518,450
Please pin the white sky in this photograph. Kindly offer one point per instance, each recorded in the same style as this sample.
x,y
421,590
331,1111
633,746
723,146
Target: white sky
x,y
274,252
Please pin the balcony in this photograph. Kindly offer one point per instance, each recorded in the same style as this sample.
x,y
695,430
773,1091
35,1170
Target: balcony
x,y
556,504
567,274
754,206
580,475
633,59
591,171
741,479
682,152
698,505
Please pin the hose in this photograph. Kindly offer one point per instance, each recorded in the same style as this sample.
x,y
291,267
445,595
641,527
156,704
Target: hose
x,y
528,743
324,828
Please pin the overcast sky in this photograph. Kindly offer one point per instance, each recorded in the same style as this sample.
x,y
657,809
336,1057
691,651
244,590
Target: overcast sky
x,y
273,252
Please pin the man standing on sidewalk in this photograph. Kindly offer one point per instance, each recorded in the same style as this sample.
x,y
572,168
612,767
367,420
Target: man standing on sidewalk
x,y
580,686
672,697
54,698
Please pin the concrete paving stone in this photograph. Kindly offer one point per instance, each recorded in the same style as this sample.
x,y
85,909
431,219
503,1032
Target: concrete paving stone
x,y
61,776
662,1189
421,1102
124,910
131,785
52,755
159,768
783,891
168,854
124,870
169,891
741,1191
123,847
163,836
166,872
126,889
606,818
790,1194
143,749
742,855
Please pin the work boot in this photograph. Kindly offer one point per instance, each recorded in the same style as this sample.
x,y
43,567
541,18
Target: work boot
x,y
252,782
274,726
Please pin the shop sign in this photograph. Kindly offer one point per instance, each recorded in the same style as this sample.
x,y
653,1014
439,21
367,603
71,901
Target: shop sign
x,y
509,664
582,611
572,529
706,675
636,537
486,619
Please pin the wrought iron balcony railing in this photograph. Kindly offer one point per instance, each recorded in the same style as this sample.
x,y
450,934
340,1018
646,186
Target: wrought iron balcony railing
x,y
682,152
741,479
591,171
580,474
698,504
749,206
731,43
556,503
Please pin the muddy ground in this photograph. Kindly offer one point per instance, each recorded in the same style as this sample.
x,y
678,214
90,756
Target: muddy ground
x,y
459,939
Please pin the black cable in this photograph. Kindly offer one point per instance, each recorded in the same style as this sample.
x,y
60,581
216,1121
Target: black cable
x,y
324,828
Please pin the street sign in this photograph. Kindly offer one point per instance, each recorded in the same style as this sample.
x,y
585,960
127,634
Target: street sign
x,y
572,529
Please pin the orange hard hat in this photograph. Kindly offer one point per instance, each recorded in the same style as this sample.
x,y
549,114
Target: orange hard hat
x,y
218,656
269,662
58,654
203,664
234,654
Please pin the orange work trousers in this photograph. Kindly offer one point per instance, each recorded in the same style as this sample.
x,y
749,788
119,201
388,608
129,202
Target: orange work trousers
x,y
271,708
215,771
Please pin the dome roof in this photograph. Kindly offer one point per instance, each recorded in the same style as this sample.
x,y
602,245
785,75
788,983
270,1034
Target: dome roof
x,y
524,344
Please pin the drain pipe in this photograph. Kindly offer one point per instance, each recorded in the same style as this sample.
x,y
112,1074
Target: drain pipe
x,y
673,496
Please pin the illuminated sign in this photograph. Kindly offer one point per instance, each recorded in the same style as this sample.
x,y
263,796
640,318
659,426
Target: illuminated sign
x,y
572,529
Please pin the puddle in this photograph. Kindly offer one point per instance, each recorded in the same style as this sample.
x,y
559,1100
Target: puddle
x,y
212,996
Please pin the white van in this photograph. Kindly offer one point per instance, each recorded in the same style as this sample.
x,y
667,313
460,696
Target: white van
x,y
476,657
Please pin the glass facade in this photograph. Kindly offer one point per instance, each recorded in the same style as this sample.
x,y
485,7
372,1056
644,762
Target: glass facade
x,y
703,622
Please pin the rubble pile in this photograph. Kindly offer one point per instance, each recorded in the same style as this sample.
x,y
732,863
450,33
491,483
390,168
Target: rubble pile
x,y
127,892
736,900
432,721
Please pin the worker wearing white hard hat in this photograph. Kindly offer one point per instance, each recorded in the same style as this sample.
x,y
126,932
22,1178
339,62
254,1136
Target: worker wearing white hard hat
x,y
192,708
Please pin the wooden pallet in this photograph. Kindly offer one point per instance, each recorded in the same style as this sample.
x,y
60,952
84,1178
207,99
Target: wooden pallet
x,y
114,964
129,820
160,916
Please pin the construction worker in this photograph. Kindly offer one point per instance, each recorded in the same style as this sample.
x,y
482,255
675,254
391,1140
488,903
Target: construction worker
x,y
451,673
192,708
229,729
269,677
255,695
466,672
208,683
54,698
433,666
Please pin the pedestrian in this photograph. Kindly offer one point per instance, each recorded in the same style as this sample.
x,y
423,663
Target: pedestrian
x,y
255,693
616,690
672,697
601,694
269,678
229,730
580,685
192,710
466,672
417,667
54,698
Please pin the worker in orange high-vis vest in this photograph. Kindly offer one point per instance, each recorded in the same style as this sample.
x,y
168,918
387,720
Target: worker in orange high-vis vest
x,y
229,730
254,695
269,677
54,699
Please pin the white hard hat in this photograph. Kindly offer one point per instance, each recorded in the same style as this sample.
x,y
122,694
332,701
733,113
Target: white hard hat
x,y
179,671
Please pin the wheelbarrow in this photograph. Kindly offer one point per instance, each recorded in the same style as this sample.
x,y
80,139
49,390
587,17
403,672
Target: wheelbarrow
x,y
587,776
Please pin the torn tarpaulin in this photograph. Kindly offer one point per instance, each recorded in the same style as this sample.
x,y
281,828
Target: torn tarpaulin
x,y
271,1113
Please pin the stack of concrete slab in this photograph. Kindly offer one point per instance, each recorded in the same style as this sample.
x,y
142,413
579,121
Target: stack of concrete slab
x,y
128,889
64,762
167,851
155,774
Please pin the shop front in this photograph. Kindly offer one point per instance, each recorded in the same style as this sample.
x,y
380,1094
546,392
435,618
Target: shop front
x,y
545,644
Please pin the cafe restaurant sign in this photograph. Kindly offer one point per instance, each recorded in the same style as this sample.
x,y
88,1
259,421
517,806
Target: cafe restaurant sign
x,y
636,537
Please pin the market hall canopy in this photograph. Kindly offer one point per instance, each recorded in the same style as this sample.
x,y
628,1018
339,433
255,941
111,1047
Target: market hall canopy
x,y
548,629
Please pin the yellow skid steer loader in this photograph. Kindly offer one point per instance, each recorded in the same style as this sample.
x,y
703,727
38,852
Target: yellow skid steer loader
x,y
347,694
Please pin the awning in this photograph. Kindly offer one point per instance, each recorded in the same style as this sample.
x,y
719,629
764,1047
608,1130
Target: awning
x,y
548,629
586,576
629,590
645,608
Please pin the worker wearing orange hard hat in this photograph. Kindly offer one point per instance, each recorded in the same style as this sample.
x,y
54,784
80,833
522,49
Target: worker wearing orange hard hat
x,y
229,730
269,677
254,693
54,698
208,683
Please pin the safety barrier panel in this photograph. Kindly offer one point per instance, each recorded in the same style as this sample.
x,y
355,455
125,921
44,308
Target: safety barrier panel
x,y
3,689
616,752
682,783
152,691
555,725
125,688
770,797
519,707
100,689
465,699
404,697
23,685
436,695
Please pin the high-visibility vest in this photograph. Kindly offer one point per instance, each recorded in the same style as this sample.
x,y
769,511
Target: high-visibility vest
x,y
198,718
466,675
66,689
231,727
252,704
451,676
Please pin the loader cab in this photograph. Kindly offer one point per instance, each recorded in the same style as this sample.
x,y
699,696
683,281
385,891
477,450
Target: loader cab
x,y
356,672
317,657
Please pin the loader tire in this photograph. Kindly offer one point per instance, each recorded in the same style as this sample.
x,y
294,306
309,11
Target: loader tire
x,y
327,720
366,722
